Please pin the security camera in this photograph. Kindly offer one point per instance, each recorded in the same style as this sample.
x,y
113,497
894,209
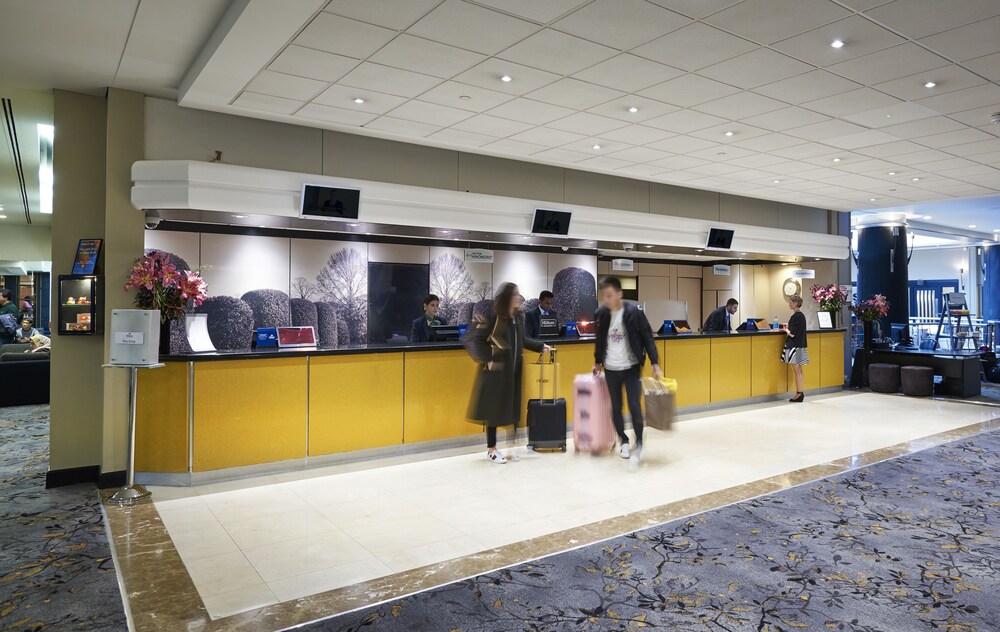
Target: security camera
x,y
565,248
995,118
152,221
628,247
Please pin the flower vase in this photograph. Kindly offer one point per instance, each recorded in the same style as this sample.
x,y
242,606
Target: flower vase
x,y
869,336
833,317
165,338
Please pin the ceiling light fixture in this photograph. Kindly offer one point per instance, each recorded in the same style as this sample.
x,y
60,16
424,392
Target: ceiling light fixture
x,y
836,159
972,225
353,225
927,217
633,109
359,100
837,43
240,216
872,199
777,181
730,133
649,246
929,84
915,179
996,230
505,78
892,173
465,97
3,217
597,147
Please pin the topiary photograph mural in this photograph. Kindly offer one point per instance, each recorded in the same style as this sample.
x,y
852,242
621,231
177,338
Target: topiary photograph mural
x,y
270,308
576,294
230,322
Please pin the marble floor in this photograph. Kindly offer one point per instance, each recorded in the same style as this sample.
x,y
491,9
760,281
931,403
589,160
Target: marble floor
x,y
262,541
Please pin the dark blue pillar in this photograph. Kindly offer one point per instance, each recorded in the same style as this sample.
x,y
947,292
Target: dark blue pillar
x,y
991,282
882,269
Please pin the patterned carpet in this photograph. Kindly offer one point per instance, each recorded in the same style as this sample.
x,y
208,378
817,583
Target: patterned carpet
x,y
56,571
905,545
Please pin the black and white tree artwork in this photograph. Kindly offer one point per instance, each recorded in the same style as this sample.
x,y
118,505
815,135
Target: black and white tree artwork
x,y
483,291
302,288
343,281
452,282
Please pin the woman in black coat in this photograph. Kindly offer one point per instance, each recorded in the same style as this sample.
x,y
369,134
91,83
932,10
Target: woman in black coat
x,y
497,344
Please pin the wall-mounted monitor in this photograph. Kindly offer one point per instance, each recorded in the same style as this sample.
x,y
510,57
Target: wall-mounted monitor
x,y
336,203
548,222
720,239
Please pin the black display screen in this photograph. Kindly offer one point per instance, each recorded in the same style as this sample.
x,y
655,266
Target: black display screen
x,y
396,294
330,202
550,222
720,238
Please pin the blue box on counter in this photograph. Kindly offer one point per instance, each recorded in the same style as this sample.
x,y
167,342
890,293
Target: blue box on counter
x,y
267,337
571,329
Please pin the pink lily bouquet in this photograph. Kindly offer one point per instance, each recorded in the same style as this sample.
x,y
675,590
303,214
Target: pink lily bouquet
x,y
830,297
872,308
161,285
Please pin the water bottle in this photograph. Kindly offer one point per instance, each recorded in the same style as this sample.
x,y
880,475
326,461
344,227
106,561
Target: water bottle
x,y
777,323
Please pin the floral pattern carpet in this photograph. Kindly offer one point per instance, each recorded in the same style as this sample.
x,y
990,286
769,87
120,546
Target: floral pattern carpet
x,y
56,571
905,545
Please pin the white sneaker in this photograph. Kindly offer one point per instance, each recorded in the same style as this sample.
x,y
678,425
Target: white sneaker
x,y
513,455
626,451
633,462
497,457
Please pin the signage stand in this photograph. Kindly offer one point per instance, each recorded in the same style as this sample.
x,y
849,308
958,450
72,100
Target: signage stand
x,y
131,493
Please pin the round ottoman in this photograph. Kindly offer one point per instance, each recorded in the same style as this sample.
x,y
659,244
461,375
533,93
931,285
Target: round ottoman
x,y
883,378
918,381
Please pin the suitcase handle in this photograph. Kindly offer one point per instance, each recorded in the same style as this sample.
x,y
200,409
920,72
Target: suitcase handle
x,y
555,375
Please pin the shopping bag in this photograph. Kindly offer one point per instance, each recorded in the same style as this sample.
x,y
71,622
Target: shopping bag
x,y
661,402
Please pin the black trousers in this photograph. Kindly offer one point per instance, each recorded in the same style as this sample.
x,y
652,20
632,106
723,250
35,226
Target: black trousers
x,y
629,380
491,435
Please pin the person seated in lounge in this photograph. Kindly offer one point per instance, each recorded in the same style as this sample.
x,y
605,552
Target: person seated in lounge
x,y
422,331
27,330
40,344
533,319
718,320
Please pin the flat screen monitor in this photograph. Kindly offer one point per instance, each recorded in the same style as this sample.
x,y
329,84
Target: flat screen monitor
x,y
444,332
720,239
321,202
682,326
901,333
548,326
550,222
296,337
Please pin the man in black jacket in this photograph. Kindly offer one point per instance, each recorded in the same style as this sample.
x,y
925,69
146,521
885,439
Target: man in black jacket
x,y
624,339
718,320
533,319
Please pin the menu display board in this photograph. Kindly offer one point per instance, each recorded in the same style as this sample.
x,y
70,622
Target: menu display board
x,y
87,252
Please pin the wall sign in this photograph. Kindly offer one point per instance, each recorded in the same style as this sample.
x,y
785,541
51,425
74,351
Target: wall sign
x,y
803,274
478,255
87,252
622,265
128,337
721,270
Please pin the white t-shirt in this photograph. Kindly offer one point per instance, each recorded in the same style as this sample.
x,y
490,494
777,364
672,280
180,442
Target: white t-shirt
x,y
618,356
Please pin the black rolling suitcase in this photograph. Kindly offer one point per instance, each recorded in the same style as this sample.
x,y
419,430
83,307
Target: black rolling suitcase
x,y
547,417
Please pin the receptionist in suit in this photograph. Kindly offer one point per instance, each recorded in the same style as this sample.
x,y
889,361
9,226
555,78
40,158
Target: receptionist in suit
x,y
421,330
533,319
718,320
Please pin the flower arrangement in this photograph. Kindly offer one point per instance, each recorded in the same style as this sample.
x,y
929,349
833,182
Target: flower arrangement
x,y
161,285
872,308
831,298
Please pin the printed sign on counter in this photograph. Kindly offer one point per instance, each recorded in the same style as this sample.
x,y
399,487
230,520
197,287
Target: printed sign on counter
x,y
128,337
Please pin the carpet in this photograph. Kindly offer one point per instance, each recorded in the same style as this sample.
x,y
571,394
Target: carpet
x,y
56,571
905,545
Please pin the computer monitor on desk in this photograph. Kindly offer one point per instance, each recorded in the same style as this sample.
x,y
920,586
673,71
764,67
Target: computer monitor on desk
x,y
753,324
901,334
444,332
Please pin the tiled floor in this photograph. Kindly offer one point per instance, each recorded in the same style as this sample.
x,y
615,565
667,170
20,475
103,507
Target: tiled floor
x,y
265,540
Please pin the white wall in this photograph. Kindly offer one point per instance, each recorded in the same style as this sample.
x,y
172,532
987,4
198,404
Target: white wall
x,y
938,263
26,243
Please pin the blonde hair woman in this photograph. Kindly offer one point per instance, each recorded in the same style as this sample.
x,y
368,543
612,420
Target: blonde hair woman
x,y
795,353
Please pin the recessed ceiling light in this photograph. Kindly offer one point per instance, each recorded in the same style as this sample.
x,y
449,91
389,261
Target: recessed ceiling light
x,y
699,249
892,173
929,84
777,181
729,133
505,78
3,217
353,225
743,254
915,179
872,199
927,217
445,232
523,236
837,43
996,230
597,146
359,100
633,109
972,225
836,159
240,216
649,246
465,97
455,239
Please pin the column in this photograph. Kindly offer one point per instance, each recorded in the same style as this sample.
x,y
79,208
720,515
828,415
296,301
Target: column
x,y
991,282
882,269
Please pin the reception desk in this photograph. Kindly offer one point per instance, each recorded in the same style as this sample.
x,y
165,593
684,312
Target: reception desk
x,y
211,416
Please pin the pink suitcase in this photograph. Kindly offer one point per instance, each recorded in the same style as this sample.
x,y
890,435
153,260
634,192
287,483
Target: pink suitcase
x,y
592,428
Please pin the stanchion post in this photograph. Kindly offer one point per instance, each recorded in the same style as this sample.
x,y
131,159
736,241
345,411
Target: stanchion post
x,y
131,492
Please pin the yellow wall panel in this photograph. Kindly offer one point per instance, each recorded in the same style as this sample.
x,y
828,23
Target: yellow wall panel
x,y
730,367
437,386
768,374
248,412
355,402
689,361
161,419
831,359
810,371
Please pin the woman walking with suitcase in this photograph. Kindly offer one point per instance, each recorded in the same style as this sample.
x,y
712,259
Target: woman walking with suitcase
x,y
497,344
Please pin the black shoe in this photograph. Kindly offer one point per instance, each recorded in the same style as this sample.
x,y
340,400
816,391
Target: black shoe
x,y
798,399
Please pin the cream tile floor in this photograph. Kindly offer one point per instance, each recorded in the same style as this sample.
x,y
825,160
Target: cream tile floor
x,y
263,540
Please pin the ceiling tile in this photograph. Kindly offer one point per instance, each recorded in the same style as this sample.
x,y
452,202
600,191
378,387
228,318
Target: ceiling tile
x,y
640,154
860,139
825,130
313,64
948,79
411,129
860,37
507,146
920,18
677,163
619,109
289,86
695,46
388,80
963,172
637,135
461,138
851,102
465,97
924,127
716,168
343,36
603,162
393,14
891,63
885,116
681,144
541,12
755,69
976,117
430,113
424,56
740,132
758,161
586,123
548,137
684,121
266,103
889,150
972,150
557,52
695,8
738,106
967,42
621,24
573,93
559,154
528,111
808,86
467,26
988,66
768,21
770,142
524,78
721,152
642,171
947,139
688,90
786,118
587,146
341,116
980,96
491,126
945,164
343,97
805,150
873,167
628,73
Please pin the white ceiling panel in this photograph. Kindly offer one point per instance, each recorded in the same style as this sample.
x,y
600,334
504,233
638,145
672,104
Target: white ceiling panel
x,y
860,36
409,129
389,80
755,68
587,146
890,63
492,126
920,18
528,111
640,154
696,8
621,109
621,24
573,93
684,121
393,14
988,66
688,90
695,46
287,86
924,127
721,152
759,161
738,106
340,116
889,115
940,166
628,73
344,36
920,157
888,150
681,144
851,102
465,97
987,95
604,162
266,103
557,52
977,148
312,64
343,97
516,147
805,150
565,155
677,163
808,86
586,123
949,139
467,26
946,79
739,132
637,134
769,142
825,130
461,138
424,56
430,113
769,21
641,171
786,118
541,12
524,79
548,137
976,117
860,139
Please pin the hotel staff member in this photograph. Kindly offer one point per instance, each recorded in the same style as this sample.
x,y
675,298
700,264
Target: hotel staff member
x,y
421,330
718,320
533,319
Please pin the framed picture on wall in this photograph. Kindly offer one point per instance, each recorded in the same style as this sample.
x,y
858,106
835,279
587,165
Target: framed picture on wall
x,y
87,253
825,320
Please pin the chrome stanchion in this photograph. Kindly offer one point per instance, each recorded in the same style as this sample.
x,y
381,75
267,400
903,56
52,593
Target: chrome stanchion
x,y
131,492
